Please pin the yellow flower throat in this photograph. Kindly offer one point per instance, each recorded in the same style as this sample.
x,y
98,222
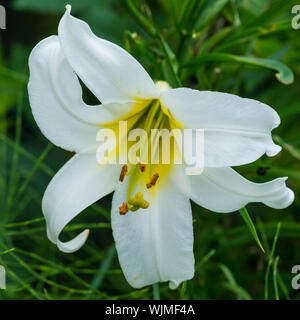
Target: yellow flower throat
x,y
146,115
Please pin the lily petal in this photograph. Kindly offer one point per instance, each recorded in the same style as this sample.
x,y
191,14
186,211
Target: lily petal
x,y
78,184
236,130
224,190
110,72
155,244
56,100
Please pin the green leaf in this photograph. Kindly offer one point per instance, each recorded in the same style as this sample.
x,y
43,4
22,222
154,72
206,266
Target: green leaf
x,y
282,171
275,277
284,73
208,11
27,154
283,286
270,261
168,53
197,14
232,285
215,39
289,110
188,12
13,184
171,62
36,166
253,33
134,43
183,289
288,147
139,17
104,267
11,83
205,258
245,215
274,10
167,73
7,251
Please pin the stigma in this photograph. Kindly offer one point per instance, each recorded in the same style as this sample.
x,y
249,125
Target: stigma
x,y
137,202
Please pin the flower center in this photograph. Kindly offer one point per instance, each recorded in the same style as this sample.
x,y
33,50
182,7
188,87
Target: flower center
x,y
153,118
145,171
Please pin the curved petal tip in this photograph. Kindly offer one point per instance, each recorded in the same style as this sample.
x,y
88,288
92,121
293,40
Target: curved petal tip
x,y
174,284
75,244
272,150
68,8
288,200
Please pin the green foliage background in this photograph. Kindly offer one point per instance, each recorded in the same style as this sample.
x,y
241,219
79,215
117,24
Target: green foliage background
x,y
235,46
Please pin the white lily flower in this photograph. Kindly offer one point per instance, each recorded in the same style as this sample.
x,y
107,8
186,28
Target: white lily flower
x,y
154,239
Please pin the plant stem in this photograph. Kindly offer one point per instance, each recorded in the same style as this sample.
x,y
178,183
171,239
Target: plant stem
x,y
156,293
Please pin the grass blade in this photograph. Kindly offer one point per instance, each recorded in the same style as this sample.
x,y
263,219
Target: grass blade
x,y
232,285
245,215
275,277
15,157
270,262
105,265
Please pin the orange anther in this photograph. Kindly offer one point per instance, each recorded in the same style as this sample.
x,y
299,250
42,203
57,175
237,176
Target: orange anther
x,y
123,209
152,181
123,172
142,166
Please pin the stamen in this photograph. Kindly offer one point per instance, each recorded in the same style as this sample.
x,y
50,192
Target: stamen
x,y
137,202
142,166
123,172
123,209
152,181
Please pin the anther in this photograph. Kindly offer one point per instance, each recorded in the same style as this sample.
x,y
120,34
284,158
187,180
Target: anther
x,y
142,166
123,209
152,181
123,172
137,202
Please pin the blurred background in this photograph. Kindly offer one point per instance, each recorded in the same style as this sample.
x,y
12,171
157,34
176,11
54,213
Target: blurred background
x,y
245,47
